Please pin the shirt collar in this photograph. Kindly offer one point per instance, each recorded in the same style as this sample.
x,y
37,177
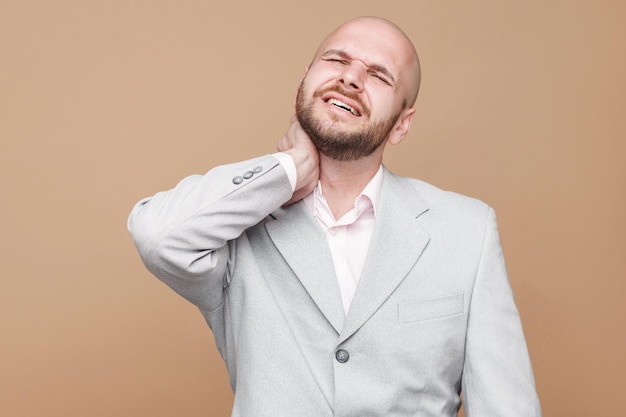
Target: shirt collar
x,y
368,198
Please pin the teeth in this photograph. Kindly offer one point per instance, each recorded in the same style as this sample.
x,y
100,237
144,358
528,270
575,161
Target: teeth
x,y
343,105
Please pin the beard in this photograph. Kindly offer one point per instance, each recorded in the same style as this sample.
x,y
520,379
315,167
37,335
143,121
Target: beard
x,y
338,144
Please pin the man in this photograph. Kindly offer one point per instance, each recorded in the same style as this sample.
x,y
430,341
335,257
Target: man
x,y
333,287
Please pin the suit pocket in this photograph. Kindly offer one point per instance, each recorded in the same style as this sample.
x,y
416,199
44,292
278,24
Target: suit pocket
x,y
418,310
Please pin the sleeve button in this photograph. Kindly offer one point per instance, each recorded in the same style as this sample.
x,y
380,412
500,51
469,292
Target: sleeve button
x,y
237,180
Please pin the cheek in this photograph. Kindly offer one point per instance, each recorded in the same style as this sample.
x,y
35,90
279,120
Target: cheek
x,y
316,76
384,106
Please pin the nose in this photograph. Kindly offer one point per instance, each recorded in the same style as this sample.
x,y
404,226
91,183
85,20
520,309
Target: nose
x,y
352,77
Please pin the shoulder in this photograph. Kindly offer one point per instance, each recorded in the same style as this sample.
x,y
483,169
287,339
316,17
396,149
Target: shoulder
x,y
446,216
436,199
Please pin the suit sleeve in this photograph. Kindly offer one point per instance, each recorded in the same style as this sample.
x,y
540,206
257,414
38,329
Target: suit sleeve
x,y
185,236
497,376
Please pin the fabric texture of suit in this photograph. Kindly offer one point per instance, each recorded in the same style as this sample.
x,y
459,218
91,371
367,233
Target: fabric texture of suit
x,y
433,314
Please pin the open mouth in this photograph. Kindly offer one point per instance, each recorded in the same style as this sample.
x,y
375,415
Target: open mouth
x,y
343,106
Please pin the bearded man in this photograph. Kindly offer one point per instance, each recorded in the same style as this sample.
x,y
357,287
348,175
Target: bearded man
x,y
332,286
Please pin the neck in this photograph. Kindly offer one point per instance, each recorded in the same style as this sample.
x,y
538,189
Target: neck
x,y
343,181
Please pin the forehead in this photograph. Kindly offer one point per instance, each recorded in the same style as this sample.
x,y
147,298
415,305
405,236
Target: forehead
x,y
373,43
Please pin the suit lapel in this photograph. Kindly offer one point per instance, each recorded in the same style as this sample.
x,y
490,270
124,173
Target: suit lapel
x,y
396,245
303,245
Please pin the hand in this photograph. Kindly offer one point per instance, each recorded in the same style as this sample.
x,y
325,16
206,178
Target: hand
x,y
297,144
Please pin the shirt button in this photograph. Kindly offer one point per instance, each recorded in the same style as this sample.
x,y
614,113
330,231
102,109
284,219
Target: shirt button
x,y
248,174
342,356
332,231
237,180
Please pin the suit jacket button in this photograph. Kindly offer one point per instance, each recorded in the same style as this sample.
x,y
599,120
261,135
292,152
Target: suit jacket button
x,y
248,174
342,356
237,180
258,169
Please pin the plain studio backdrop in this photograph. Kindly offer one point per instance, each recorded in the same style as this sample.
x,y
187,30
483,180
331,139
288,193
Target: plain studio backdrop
x,y
105,102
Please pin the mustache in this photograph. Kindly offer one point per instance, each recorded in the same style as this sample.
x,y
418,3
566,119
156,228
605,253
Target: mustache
x,y
365,110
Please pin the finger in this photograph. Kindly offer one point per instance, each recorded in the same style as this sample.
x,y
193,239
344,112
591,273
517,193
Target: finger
x,y
280,146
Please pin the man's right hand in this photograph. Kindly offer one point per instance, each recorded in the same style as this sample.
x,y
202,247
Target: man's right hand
x,y
297,144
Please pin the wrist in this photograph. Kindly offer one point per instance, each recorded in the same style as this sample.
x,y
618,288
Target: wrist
x,y
288,164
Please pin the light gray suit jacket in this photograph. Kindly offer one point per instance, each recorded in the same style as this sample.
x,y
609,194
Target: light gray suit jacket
x,y
433,313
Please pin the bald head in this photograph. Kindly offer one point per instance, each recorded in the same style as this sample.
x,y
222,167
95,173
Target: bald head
x,y
381,35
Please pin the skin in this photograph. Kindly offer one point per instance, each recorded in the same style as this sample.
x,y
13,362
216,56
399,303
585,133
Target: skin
x,y
370,64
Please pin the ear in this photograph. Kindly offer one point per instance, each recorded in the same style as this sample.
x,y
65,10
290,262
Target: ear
x,y
402,126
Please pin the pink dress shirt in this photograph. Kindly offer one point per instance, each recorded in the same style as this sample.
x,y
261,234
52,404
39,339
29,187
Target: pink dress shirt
x,y
348,237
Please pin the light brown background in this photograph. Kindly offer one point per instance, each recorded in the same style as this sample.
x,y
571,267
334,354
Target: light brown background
x,y
105,102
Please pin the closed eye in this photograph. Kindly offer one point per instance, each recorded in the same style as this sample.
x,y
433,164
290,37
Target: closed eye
x,y
380,77
337,61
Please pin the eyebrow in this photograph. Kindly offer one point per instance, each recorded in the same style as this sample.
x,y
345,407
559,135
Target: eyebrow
x,y
375,67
